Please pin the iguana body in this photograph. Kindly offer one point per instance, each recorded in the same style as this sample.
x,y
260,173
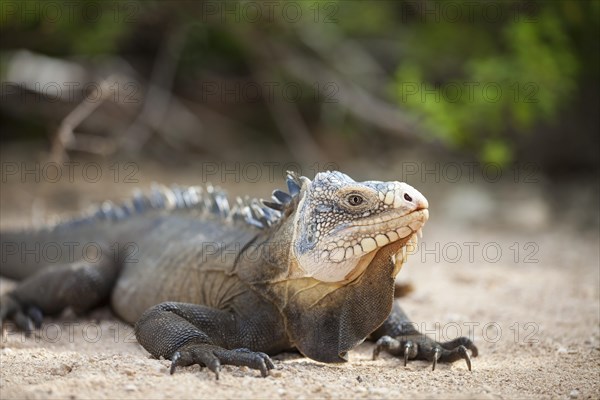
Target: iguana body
x,y
211,284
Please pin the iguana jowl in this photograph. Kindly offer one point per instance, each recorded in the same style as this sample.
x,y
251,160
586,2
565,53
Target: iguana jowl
x,y
211,284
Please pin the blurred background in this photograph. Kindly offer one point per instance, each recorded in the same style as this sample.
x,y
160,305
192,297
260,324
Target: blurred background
x,y
473,102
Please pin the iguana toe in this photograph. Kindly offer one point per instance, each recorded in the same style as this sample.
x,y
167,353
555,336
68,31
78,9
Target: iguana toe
x,y
207,355
201,354
445,355
254,359
464,342
387,343
25,318
459,352
462,350
410,351
396,347
36,316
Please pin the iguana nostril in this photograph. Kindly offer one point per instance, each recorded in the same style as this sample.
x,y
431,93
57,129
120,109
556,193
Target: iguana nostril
x,y
407,197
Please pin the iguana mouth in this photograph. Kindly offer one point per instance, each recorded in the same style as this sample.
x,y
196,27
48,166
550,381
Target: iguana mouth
x,y
365,236
401,232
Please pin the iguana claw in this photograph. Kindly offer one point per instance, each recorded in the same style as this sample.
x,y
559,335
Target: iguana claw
x,y
410,351
174,361
437,352
465,354
36,316
26,318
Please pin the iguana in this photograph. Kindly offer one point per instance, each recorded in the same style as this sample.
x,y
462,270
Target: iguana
x,y
207,283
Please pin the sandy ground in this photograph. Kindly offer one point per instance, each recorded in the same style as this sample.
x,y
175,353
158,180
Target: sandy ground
x,y
534,314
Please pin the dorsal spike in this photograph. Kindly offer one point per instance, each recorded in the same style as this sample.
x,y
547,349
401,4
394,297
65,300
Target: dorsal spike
x,y
254,222
207,198
272,214
249,217
191,196
236,210
177,193
127,209
222,203
293,184
120,212
259,213
139,201
281,196
274,206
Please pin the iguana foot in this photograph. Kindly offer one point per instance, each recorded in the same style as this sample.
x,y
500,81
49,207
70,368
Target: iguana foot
x,y
207,355
26,318
81,285
420,347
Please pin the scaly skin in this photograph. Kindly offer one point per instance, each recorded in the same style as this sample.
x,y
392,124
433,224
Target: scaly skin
x,y
207,284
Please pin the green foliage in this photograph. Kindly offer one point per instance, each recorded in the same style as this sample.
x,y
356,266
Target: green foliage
x,y
85,27
508,78
476,82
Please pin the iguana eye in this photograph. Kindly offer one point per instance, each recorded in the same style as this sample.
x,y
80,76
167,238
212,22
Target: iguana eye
x,y
355,199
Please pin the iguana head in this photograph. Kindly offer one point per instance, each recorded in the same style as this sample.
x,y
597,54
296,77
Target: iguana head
x,y
340,224
342,241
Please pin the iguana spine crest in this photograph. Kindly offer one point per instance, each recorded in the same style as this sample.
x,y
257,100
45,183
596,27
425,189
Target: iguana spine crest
x,y
261,214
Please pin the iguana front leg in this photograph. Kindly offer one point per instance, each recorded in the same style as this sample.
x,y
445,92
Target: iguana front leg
x,y
190,334
399,337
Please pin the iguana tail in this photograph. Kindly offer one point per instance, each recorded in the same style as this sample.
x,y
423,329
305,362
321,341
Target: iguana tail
x,y
25,252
